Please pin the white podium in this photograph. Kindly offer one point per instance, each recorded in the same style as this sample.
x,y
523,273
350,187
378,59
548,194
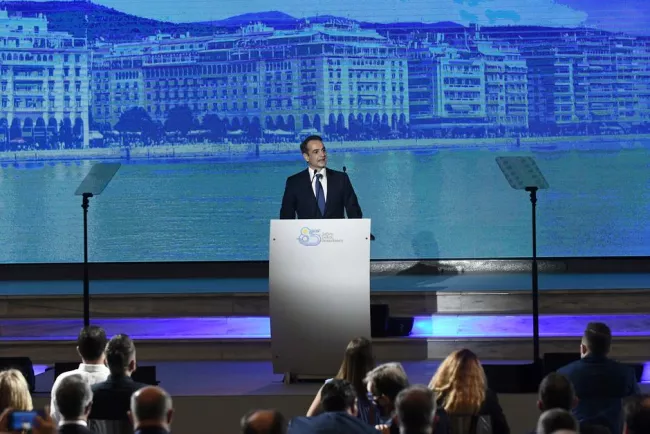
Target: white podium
x,y
319,293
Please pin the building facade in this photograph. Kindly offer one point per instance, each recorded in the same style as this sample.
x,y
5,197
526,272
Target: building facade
x,y
44,82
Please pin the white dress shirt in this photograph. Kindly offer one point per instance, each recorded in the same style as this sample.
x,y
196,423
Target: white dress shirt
x,y
323,181
91,373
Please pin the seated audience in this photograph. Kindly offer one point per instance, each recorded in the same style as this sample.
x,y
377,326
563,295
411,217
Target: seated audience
x,y
600,383
461,390
151,411
338,402
14,391
112,398
357,362
637,415
263,422
74,399
91,344
556,391
383,384
552,421
416,410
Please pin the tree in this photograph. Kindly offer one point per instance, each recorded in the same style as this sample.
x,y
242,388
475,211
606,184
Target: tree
x,y
180,119
215,125
137,120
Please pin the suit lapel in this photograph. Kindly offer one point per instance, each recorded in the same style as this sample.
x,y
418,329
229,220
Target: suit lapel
x,y
310,192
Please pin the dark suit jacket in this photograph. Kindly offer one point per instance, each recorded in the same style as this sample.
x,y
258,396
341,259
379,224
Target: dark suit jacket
x,y
299,199
332,422
600,385
112,398
73,428
490,408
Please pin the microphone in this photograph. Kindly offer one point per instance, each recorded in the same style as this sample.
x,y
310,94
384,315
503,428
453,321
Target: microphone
x,y
345,169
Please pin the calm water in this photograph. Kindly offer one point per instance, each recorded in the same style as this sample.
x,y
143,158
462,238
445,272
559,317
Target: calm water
x,y
449,204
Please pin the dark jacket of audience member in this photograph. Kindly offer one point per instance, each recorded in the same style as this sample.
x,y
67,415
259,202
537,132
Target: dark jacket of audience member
x,y
556,392
600,383
112,398
338,401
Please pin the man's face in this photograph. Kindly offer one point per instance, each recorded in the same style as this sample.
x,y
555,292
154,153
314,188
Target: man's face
x,y
316,155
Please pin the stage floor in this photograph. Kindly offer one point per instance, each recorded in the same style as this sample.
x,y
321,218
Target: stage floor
x,y
470,282
242,328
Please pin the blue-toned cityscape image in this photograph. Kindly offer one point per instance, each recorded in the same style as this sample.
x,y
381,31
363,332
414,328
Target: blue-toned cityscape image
x,y
205,104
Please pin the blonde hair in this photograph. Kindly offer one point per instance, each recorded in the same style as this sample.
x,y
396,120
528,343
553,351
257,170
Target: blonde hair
x,y
14,391
460,383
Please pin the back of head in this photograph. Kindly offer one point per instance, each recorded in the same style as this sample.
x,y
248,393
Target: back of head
x,y
337,395
91,343
388,380
120,351
14,391
357,362
556,391
416,409
597,338
263,422
151,405
637,414
556,419
73,397
460,383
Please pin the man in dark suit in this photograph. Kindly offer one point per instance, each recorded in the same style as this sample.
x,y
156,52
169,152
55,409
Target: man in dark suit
x,y
338,401
318,192
151,411
74,400
600,383
112,398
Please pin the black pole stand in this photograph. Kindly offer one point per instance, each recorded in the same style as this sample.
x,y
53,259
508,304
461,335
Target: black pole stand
x,y
535,276
84,204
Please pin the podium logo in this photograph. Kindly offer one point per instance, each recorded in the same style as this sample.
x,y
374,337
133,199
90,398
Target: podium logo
x,y
309,237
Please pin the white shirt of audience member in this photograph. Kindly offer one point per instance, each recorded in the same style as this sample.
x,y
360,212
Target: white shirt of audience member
x,y
91,373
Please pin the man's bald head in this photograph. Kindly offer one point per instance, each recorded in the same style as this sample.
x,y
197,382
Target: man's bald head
x,y
151,406
263,422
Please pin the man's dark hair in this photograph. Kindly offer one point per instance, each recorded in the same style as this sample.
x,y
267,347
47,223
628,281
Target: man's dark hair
x,y
119,352
303,144
556,391
598,338
416,408
637,414
277,423
91,342
73,396
388,379
555,420
337,395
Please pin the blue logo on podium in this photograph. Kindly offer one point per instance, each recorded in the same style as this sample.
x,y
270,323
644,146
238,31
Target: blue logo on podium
x,y
309,237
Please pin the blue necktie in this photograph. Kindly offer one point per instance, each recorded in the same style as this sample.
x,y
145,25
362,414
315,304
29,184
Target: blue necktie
x,y
320,194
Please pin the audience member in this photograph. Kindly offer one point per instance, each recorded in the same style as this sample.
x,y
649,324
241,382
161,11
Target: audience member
x,y
383,384
556,419
151,411
461,389
556,391
74,399
416,410
112,398
91,344
263,422
600,383
14,391
637,415
357,362
338,402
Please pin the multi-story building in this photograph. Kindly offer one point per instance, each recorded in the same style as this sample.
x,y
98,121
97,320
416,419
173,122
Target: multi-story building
x,y
44,82
582,78
321,77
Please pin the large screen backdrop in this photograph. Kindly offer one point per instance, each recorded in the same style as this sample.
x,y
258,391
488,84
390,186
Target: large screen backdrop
x,y
205,103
